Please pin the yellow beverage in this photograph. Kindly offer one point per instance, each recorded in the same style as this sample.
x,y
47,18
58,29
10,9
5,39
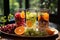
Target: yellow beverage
x,y
30,19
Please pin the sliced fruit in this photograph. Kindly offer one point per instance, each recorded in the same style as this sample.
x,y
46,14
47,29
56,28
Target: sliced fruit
x,y
29,23
39,17
19,30
22,14
50,32
46,16
17,15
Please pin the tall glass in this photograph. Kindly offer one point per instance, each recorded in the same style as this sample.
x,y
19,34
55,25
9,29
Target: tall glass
x,y
43,19
20,18
31,18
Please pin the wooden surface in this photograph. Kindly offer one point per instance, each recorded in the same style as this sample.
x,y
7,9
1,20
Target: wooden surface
x,y
58,37
1,38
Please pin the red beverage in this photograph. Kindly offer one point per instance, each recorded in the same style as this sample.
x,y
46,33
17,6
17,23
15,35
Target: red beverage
x,y
20,18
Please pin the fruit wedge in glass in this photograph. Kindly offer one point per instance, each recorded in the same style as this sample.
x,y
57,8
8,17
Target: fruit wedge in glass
x,y
30,18
43,19
20,18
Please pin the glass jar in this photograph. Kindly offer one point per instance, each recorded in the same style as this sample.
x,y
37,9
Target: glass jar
x,y
31,16
20,18
43,19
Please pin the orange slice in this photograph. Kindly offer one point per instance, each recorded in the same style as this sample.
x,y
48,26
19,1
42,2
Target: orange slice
x,y
22,14
29,23
46,16
39,17
50,32
19,30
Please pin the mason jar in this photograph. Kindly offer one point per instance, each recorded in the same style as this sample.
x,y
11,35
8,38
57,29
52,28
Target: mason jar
x,y
20,17
31,18
43,19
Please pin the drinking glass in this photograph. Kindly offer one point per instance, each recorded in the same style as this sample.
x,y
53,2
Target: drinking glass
x,y
20,17
31,16
43,19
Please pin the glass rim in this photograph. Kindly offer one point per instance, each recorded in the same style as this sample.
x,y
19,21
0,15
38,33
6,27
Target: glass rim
x,y
35,10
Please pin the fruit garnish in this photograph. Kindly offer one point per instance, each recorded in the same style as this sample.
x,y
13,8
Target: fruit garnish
x,y
45,16
29,23
50,32
19,30
17,15
22,14
39,17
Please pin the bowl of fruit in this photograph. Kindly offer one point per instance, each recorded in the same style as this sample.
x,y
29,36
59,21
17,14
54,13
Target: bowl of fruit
x,y
31,24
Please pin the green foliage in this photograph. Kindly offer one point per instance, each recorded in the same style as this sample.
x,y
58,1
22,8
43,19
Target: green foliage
x,y
23,4
1,7
34,4
48,4
10,16
2,19
14,5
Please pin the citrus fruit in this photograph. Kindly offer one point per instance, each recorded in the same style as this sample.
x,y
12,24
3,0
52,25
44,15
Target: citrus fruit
x,y
39,17
19,30
45,16
22,14
29,23
50,32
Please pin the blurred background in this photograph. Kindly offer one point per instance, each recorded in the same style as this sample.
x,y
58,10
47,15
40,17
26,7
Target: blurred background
x,y
8,7
16,4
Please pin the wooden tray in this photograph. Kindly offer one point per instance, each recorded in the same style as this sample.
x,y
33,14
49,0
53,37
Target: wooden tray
x,y
52,37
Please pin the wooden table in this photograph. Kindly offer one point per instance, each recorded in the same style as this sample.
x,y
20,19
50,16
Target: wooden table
x,y
2,38
58,37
